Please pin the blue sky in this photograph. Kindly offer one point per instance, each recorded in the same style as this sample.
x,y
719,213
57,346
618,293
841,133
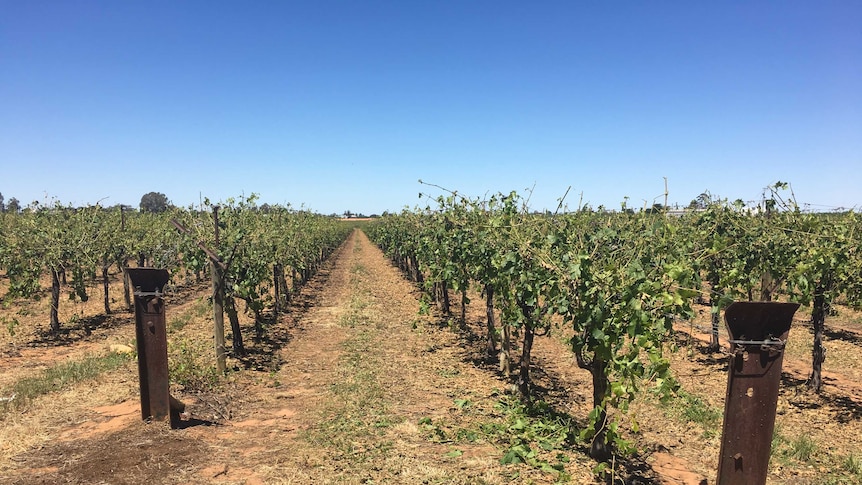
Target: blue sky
x,y
346,105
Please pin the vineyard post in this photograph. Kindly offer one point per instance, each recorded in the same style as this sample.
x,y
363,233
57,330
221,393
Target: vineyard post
x,y
152,344
758,333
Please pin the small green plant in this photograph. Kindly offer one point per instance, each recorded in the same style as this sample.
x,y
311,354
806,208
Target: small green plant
x,y
802,448
202,307
454,453
179,322
425,304
530,433
189,368
698,411
694,409
434,432
273,375
448,372
11,325
777,440
853,464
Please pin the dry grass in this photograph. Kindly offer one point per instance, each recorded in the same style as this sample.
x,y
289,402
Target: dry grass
x,y
45,417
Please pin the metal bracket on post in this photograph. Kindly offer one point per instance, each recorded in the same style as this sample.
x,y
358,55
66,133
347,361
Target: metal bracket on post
x,y
758,333
152,344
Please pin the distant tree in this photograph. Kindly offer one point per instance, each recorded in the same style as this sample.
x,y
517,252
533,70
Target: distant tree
x,y
702,201
348,214
655,209
154,202
2,205
13,206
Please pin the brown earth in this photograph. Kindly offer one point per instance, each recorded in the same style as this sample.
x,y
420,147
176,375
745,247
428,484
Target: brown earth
x,y
354,386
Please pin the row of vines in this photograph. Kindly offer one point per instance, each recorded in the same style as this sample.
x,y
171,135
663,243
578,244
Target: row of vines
x,y
620,281
256,251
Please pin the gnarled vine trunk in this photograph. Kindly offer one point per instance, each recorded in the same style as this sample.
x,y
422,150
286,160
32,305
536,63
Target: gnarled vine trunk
x,y
230,309
818,353
127,293
55,300
463,305
600,449
505,350
278,289
106,287
417,274
715,311
442,297
491,340
714,345
524,384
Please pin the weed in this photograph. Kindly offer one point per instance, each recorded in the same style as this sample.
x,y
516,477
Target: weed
x,y
448,372
202,307
434,433
179,322
273,375
802,448
698,411
454,453
189,367
425,304
11,325
777,440
853,464
529,434
694,409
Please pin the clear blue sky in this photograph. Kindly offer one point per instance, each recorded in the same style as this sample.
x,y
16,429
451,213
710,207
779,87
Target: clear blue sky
x,y
345,105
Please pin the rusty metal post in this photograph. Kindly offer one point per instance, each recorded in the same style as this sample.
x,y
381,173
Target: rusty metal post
x,y
758,332
152,342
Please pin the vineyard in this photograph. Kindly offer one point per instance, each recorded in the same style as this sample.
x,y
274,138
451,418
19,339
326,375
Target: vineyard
x,y
472,341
